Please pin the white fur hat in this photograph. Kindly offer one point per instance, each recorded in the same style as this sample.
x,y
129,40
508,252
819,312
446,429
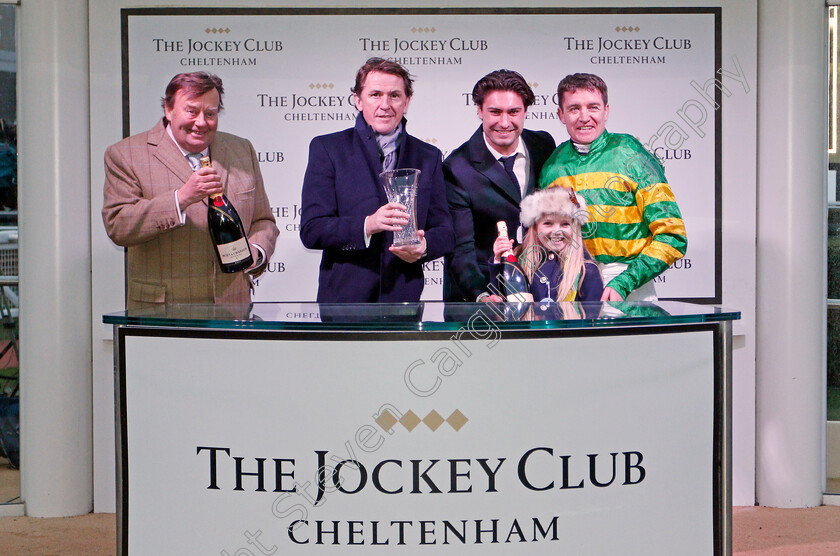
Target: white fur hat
x,y
554,200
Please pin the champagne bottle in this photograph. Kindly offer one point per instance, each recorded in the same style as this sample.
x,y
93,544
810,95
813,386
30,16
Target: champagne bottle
x,y
512,281
227,232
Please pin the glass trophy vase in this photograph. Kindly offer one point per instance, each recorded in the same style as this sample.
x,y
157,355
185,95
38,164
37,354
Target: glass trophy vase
x,y
401,187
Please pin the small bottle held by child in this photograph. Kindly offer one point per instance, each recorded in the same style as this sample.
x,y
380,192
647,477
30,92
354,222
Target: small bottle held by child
x,y
511,281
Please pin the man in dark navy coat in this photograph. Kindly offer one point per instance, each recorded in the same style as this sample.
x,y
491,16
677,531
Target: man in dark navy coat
x,y
344,211
487,177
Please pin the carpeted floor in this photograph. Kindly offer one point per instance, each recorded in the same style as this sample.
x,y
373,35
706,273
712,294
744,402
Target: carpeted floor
x,y
776,532
87,535
757,532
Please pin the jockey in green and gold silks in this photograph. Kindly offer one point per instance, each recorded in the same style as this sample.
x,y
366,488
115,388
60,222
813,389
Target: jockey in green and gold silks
x,y
634,218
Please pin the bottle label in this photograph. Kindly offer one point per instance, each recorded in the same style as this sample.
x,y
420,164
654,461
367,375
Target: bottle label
x,y
234,251
520,297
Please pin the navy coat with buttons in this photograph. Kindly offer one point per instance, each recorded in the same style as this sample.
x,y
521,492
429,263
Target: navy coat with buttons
x,y
340,188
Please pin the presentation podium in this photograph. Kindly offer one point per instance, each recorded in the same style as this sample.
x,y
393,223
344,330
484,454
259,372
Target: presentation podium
x,y
301,428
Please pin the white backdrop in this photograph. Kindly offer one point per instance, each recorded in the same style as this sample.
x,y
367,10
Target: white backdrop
x,y
287,76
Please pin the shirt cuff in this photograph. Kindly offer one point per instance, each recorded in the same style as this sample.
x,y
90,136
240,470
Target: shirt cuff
x,y
182,218
260,262
367,237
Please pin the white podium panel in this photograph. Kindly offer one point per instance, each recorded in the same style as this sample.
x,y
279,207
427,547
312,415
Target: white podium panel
x,y
475,441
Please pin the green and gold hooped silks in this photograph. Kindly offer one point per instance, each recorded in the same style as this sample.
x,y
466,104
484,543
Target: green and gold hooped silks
x,y
634,217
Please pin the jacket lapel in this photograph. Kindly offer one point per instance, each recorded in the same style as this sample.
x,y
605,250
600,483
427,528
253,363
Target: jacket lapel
x,y
220,155
484,162
532,167
538,152
367,138
168,153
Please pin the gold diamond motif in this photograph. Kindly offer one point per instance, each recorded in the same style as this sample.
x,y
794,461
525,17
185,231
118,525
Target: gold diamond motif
x,y
457,420
410,420
617,29
433,420
386,420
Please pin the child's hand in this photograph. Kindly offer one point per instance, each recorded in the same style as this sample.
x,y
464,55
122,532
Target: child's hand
x,y
501,245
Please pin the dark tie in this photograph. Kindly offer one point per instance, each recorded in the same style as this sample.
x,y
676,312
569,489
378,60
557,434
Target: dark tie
x,y
508,163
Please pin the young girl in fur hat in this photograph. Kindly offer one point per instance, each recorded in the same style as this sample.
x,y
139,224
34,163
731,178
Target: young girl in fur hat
x,y
552,256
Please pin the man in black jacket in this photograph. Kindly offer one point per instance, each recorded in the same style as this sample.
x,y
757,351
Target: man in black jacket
x,y
487,177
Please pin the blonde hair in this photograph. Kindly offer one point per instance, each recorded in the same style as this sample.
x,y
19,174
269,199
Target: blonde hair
x,y
531,254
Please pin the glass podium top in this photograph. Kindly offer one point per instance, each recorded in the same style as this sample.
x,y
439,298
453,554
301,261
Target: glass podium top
x,y
421,316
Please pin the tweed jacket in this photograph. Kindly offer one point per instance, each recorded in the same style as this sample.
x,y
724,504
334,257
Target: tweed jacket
x,y
168,262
